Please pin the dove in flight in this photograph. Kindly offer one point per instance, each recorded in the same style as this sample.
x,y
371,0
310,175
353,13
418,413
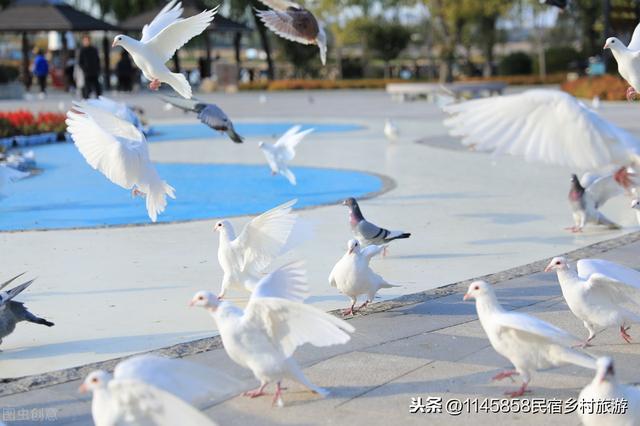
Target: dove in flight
x,y
152,390
529,343
280,153
160,40
264,336
293,22
391,131
353,276
12,312
366,232
119,109
628,59
264,238
605,387
209,114
9,175
596,291
591,192
118,150
543,125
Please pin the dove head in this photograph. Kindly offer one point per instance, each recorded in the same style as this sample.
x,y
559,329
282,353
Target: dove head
x,y
261,145
613,43
353,246
122,41
477,290
604,369
321,41
95,380
635,204
205,299
557,264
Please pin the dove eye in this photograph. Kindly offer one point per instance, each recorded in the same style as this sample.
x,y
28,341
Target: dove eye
x,y
558,262
476,287
94,380
200,297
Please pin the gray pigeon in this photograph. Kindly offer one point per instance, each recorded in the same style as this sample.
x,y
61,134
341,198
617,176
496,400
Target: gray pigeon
x,y
366,232
12,312
209,114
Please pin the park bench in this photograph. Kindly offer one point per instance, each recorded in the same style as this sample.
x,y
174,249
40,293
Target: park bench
x,y
410,91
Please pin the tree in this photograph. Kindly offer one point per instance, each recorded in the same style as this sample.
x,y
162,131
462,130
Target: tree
x,y
387,40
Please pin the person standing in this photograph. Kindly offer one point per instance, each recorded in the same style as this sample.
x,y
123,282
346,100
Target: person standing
x,y
41,71
125,72
89,62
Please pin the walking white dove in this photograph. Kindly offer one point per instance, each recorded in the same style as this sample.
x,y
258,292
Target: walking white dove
x,y
596,292
529,343
264,336
353,276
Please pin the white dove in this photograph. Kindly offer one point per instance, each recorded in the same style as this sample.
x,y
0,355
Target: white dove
x,y
543,125
264,238
628,59
264,336
160,40
391,131
595,292
151,390
527,342
353,276
283,151
9,175
119,109
605,387
119,151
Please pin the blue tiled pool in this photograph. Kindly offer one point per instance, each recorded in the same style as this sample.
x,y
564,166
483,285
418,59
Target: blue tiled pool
x,y
70,194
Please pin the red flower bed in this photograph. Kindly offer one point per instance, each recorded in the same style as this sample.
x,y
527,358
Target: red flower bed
x,y
22,122
607,87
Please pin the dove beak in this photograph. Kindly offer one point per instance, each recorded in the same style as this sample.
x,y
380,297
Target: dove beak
x,y
351,250
114,44
466,297
83,388
192,303
548,268
606,46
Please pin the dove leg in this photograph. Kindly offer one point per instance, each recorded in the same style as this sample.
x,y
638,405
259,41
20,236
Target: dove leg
x,y
520,391
505,374
623,332
277,398
364,305
631,94
256,392
384,251
154,84
135,192
350,311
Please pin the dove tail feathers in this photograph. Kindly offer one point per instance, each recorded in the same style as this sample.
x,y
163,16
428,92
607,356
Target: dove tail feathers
x,y
397,235
296,373
572,356
180,84
156,198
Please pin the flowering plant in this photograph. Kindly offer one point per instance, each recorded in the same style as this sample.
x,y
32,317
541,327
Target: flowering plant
x,y
22,122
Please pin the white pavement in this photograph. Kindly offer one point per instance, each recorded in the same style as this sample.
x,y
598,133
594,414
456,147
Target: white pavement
x,y
117,291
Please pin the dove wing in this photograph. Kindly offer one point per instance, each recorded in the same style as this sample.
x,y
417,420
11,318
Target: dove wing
x,y
533,327
193,383
604,188
178,33
291,324
143,404
265,237
283,25
122,160
543,125
170,13
280,4
287,143
634,44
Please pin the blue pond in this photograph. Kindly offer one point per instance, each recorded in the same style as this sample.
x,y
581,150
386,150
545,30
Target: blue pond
x,y
70,194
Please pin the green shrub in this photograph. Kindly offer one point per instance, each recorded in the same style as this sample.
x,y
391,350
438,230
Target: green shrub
x,y
8,73
517,63
560,58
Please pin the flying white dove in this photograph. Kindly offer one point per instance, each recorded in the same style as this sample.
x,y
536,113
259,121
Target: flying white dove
x,y
353,276
391,130
605,387
151,390
543,125
592,191
119,109
280,153
119,151
628,59
264,336
293,22
264,238
596,292
9,175
529,343
160,40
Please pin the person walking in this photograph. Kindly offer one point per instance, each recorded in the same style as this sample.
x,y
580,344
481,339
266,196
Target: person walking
x,y
89,62
41,71
125,72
